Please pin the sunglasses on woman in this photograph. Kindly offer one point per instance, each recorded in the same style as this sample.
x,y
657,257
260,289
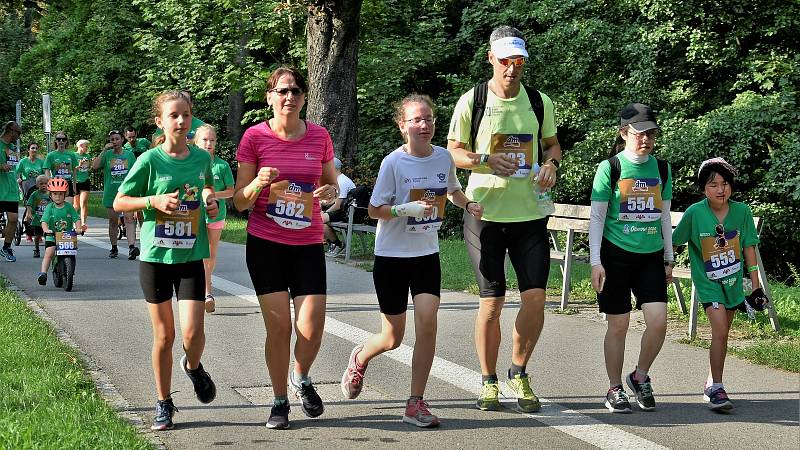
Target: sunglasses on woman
x,y
296,91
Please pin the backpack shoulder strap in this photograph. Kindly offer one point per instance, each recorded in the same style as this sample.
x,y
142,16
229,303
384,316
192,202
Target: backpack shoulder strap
x,y
616,169
535,97
663,173
479,94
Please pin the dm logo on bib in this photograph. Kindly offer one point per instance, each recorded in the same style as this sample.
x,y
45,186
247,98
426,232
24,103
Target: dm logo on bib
x,y
512,141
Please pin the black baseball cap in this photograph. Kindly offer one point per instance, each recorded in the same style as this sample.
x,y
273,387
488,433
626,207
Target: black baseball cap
x,y
640,117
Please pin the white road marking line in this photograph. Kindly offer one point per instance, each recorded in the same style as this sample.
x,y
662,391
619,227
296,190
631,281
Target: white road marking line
x,y
568,421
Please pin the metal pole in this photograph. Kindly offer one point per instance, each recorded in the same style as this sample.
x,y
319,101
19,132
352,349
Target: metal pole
x,y
46,119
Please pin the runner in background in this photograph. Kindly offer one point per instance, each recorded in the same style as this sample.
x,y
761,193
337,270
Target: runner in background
x,y
285,170
135,144
9,189
116,162
82,182
172,183
409,202
62,163
206,138
28,170
34,209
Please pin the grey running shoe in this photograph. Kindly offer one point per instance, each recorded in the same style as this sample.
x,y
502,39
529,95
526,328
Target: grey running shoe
x,y
617,400
717,399
165,409
643,392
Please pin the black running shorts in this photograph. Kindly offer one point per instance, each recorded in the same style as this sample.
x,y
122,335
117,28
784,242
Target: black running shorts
x,y
394,277
626,272
160,281
275,267
528,246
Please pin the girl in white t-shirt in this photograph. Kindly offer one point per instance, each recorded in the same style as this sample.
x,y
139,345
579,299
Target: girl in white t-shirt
x,y
408,200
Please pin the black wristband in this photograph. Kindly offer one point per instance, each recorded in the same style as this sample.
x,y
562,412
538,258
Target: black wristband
x,y
466,206
553,161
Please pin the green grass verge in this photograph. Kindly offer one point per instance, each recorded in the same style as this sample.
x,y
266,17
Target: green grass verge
x,y
47,400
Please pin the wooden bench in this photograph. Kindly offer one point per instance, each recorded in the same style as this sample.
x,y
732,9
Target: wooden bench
x,y
570,219
349,228
575,219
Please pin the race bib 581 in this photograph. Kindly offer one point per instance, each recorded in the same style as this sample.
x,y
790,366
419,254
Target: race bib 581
x,y
178,230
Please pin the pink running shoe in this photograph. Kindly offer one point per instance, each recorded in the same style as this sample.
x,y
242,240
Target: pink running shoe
x,y
417,413
353,378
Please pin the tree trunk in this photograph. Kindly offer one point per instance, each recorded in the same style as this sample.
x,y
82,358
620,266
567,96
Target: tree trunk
x,y
332,34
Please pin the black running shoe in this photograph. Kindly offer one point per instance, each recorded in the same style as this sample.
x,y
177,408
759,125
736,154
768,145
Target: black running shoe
x,y
643,392
617,400
113,253
204,388
165,409
133,253
279,417
307,393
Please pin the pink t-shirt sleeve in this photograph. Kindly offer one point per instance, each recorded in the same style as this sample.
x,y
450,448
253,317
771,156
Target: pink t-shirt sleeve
x,y
245,153
327,153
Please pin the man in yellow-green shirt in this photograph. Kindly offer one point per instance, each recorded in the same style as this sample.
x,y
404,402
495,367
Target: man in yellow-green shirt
x,y
504,160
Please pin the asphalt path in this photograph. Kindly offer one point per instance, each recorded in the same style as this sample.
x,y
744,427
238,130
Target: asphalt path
x,y
106,317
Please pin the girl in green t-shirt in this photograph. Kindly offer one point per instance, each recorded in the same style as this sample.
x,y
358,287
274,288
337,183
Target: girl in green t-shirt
x,y
82,182
631,252
720,232
206,138
116,162
173,184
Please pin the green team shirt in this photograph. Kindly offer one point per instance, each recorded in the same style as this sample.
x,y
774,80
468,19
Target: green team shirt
x,y
223,178
182,236
9,189
717,263
59,219
38,201
633,221
142,145
30,169
61,164
508,126
115,168
84,167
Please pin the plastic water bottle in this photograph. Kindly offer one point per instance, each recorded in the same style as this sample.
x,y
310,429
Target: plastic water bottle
x,y
543,198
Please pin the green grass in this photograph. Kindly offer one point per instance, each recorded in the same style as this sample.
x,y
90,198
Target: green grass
x,y
47,401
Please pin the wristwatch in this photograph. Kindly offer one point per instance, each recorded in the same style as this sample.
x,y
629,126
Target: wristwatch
x,y
670,264
484,159
554,162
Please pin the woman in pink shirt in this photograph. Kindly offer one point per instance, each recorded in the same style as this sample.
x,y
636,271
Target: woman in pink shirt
x,y
285,169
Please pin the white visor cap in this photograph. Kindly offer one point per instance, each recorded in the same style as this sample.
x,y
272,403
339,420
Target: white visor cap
x,y
509,46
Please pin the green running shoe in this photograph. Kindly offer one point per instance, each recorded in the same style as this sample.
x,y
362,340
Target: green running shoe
x,y
488,399
527,401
